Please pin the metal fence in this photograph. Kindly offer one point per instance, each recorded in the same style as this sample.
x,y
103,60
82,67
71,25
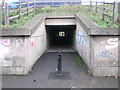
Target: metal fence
x,y
28,8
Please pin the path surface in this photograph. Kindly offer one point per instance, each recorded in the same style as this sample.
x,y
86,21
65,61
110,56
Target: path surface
x,y
46,64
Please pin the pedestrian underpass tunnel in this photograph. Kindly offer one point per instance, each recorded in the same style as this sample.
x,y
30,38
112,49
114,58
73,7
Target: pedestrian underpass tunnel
x,y
60,36
65,33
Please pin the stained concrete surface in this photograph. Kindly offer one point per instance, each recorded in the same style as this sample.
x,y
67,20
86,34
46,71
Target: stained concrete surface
x,y
46,64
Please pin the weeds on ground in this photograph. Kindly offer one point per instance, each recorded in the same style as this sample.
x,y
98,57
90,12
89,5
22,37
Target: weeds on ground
x,y
79,61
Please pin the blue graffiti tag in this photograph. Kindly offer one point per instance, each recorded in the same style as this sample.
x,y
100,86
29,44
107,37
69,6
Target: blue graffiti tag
x,y
106,54
80,39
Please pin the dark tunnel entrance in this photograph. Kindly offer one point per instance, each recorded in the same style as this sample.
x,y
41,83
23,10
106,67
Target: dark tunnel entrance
x,y
60,36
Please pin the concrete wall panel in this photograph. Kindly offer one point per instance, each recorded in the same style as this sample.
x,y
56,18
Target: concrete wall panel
x,y
100,51
105,71
12,53
105,50
105,56
19,54
83,44
36,45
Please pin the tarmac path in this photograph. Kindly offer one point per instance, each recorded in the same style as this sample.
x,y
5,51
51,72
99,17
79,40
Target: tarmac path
x,y
39,78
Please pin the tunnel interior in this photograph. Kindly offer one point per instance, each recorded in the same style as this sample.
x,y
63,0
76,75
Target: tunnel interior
x,y
60,36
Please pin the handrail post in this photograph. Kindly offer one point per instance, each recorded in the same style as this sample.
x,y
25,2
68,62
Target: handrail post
x,y
27,8
6,14
20,9
52,7
34,7
103,10
115,10
90,5
96,7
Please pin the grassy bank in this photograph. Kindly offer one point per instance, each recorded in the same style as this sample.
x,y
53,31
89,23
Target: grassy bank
x,y
14,23
96,17
65,9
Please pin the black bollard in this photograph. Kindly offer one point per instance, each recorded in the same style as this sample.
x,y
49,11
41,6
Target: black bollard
x,y
59,64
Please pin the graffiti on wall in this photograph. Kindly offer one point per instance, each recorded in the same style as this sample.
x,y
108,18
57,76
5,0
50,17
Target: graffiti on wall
x,y
32,44
17,42
80,38
106,54
5,42
112,43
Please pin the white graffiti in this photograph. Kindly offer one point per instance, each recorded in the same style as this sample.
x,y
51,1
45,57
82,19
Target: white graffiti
x,y
112,43
102,42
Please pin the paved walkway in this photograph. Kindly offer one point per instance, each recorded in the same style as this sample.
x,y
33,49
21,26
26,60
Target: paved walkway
x,y
39,77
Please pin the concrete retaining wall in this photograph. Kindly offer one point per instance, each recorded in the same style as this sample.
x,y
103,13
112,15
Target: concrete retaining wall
x,y
12,56
83,44
105,55
21,48
36,45
98,47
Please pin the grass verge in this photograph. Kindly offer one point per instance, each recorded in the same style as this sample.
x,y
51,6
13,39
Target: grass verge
x,y
65,9
15,23
79,61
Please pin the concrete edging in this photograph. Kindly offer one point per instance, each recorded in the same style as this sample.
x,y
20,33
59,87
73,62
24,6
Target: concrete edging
x,y
25,30
93,29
